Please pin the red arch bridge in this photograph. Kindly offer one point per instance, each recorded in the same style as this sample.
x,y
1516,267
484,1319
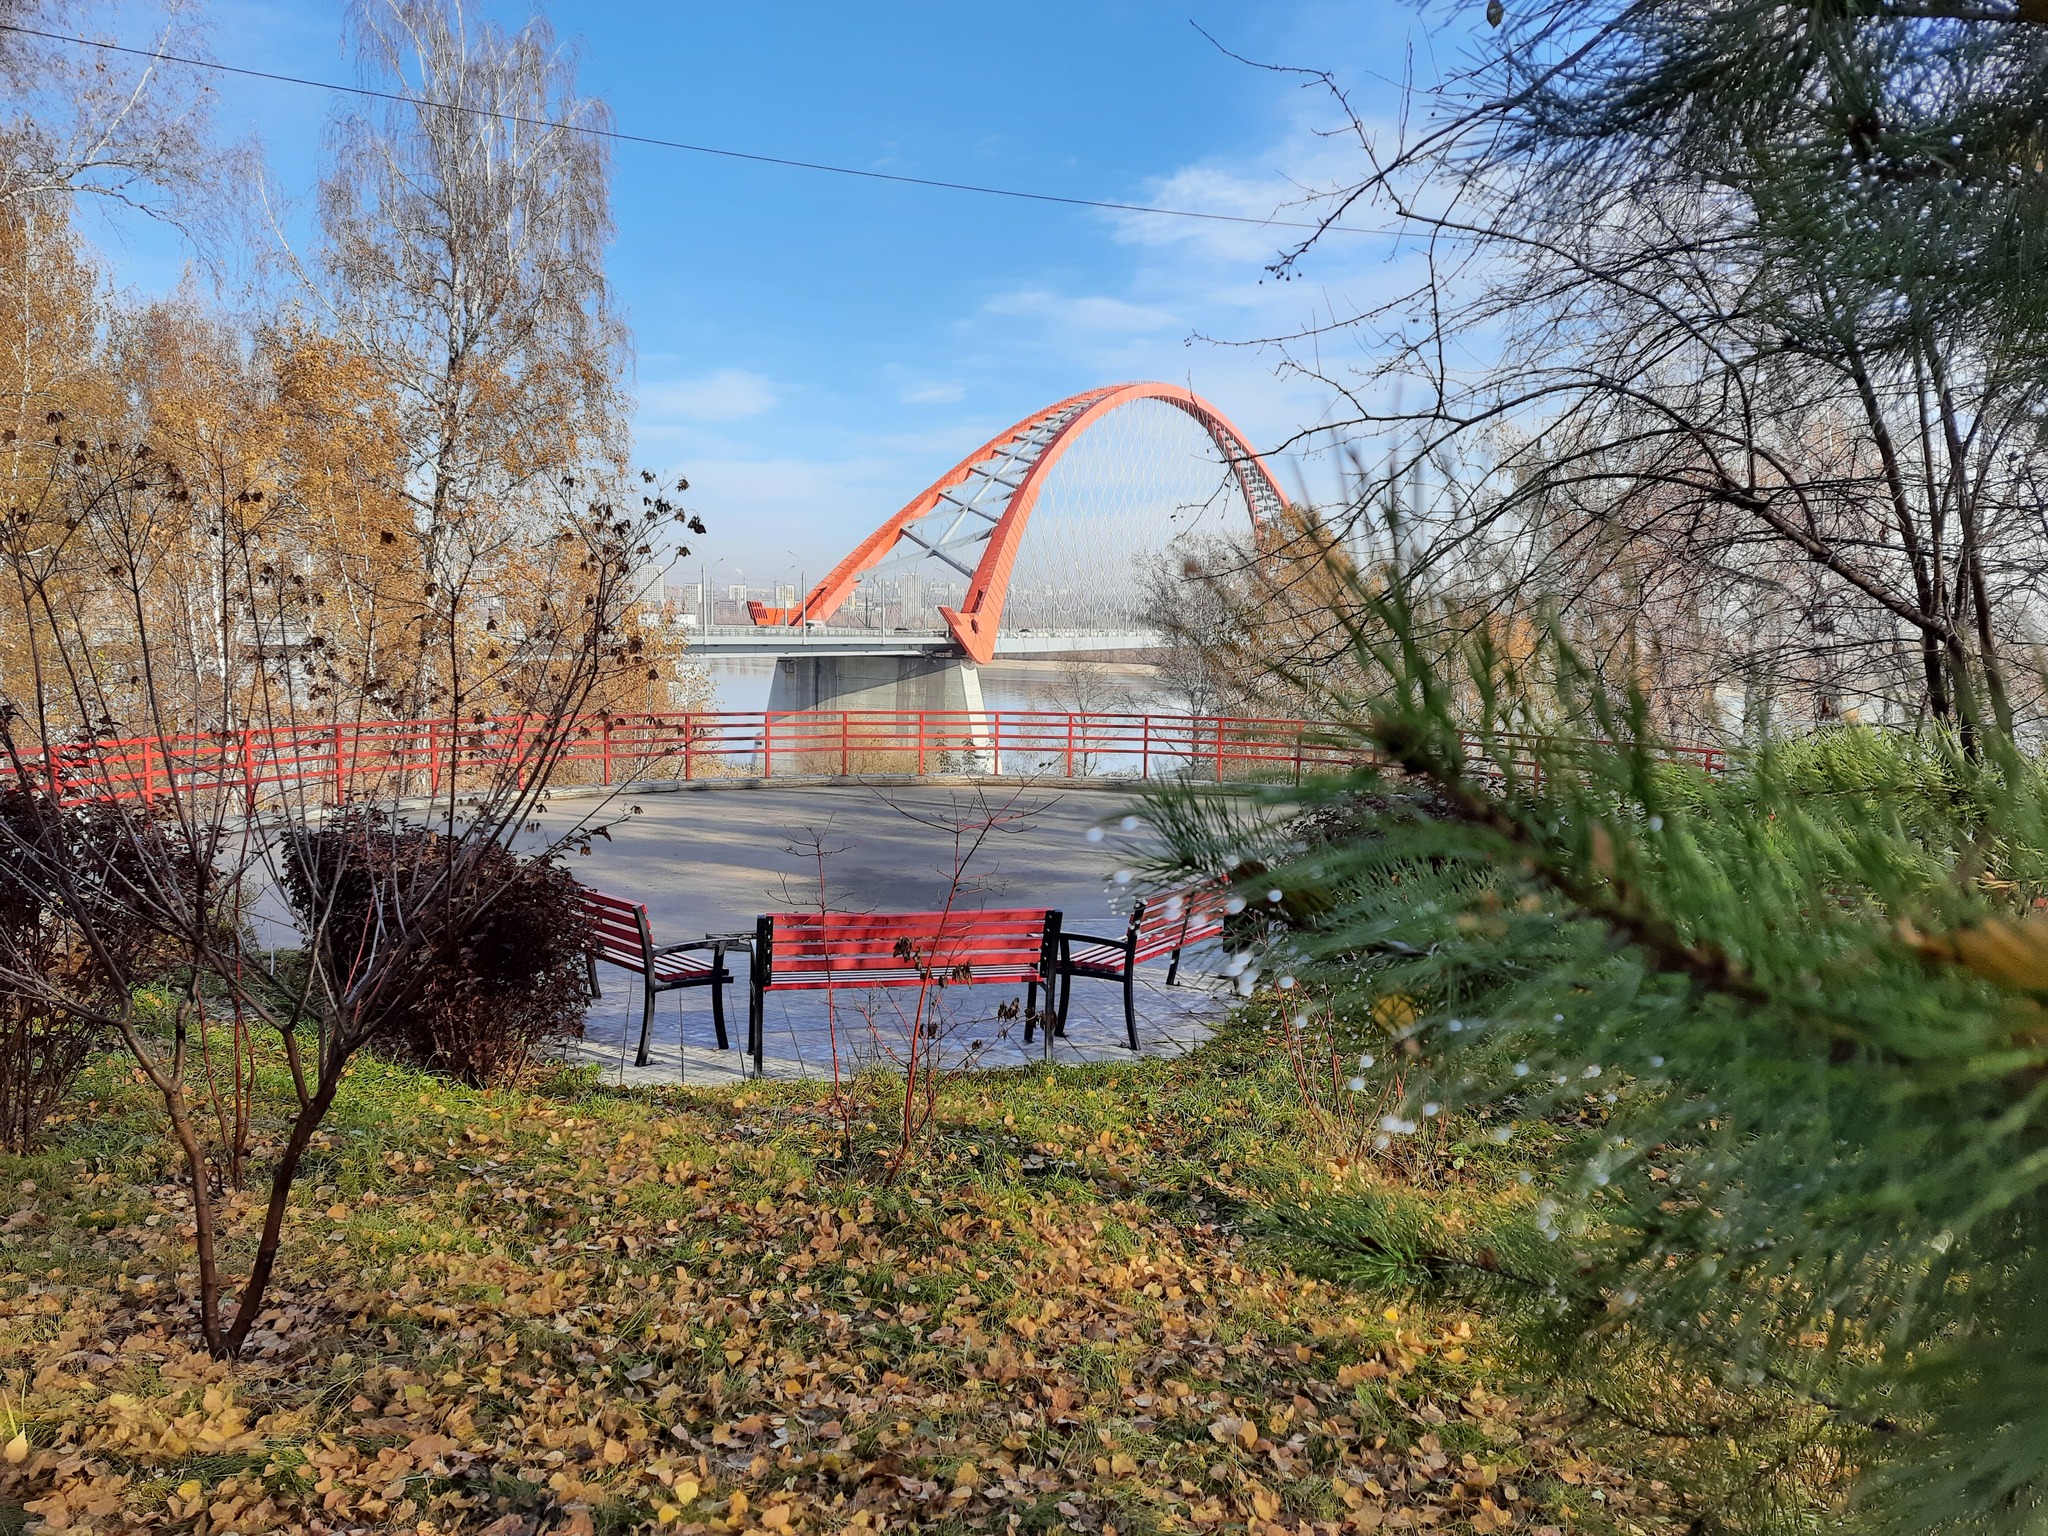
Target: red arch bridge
x,y
1048,539
1055,537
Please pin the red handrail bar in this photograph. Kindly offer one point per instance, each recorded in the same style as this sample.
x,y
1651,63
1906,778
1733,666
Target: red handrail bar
x,y
388,755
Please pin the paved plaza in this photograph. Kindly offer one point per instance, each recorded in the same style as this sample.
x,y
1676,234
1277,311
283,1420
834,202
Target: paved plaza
x,y
709,861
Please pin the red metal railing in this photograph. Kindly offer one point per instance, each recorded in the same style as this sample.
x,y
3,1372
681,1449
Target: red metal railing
x,y
416,757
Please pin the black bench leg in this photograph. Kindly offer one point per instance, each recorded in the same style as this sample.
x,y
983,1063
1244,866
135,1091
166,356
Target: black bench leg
x,y
646,1024
756,1009
590,965
718,1012
1059,1013
1131,1004
1173,969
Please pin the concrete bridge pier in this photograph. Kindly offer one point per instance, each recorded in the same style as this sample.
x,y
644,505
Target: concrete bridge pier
x,y
904,684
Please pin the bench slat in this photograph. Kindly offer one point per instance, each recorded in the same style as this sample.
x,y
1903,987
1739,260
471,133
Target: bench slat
x,y
813,980
810,949
1180,919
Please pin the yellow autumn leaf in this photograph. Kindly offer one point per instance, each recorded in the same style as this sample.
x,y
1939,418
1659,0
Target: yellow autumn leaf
x,y
1265,1504
2014,954
1396,1010
191,1489
17,1448
685,1490
1602,850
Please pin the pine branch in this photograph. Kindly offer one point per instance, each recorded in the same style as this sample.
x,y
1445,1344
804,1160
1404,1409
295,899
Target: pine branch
x,y
1613,901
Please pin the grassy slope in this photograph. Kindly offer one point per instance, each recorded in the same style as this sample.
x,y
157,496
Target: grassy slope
x,y
573,1309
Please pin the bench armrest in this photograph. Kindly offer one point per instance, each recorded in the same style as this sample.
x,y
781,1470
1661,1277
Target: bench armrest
x,y
674,949
1067,935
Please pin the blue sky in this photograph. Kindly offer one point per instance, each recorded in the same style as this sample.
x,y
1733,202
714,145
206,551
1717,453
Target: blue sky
x,y
812,350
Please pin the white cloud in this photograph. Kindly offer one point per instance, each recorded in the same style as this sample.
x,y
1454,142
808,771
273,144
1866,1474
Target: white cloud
x,y
771,496
1293,181
1084,314
776,517
728,394
1196,304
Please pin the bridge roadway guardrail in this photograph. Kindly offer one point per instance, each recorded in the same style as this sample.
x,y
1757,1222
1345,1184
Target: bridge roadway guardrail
x,y
399,758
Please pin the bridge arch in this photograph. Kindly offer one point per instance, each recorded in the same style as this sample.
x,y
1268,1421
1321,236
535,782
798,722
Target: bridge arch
x,y
1014,466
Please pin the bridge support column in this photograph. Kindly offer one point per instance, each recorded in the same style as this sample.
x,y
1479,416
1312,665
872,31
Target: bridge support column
x,y
939,686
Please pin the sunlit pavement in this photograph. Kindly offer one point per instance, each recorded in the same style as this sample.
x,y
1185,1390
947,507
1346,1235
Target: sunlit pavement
x,y
708,861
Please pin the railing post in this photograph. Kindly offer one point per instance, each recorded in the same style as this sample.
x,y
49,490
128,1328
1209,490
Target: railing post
x,y
149,764
995,743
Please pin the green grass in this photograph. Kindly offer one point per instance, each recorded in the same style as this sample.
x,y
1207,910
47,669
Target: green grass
x,y
620,1310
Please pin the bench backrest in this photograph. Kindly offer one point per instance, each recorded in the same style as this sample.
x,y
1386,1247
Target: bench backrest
x,y
1173,920
618,930
866,949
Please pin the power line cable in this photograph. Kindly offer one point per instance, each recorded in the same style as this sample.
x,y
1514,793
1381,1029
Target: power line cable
x,y
677,144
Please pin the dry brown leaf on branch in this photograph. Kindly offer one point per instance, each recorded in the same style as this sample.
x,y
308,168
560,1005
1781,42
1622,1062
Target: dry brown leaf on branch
x,y
2013,953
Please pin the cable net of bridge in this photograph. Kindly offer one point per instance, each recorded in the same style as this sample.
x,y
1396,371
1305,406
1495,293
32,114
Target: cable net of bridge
x,y
1143,488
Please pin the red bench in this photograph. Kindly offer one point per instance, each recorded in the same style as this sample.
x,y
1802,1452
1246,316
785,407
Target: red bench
x,y
813,951
621,937
1162,924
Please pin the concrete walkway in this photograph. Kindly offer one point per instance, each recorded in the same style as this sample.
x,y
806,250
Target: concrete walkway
x,y
708,861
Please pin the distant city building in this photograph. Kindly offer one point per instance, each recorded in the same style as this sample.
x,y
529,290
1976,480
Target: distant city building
x,y
646,585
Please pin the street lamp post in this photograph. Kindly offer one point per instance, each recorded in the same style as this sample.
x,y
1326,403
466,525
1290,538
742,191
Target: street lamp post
x,y
803,588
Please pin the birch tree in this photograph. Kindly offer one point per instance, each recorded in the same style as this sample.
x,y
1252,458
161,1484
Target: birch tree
x,y
464,231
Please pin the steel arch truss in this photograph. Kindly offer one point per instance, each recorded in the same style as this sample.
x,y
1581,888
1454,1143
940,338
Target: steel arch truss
x,y
974,516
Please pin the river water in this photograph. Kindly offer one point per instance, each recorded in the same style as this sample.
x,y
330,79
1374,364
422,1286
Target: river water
x,y
1094,688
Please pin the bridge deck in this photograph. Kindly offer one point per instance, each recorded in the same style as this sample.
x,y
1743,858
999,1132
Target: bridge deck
x,y
787,640
708,861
